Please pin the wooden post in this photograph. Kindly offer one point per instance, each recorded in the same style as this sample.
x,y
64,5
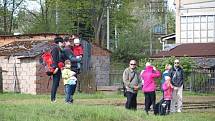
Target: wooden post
x,y
1,81
87,82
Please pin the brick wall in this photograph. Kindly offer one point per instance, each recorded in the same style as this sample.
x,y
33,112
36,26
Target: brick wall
x,y
29,76
20,75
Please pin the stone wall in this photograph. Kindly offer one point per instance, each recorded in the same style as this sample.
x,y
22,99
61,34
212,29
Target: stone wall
x,y
20,75
25,75
101,66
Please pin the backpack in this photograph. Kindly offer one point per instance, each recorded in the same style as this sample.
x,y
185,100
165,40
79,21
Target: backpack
x,y
46,60
161,108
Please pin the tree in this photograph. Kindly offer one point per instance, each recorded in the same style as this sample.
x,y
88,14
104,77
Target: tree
x,y
171,22
9,8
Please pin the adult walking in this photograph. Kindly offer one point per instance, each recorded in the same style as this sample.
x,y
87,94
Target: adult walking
x,y
56,56
149,86
177,80
131,83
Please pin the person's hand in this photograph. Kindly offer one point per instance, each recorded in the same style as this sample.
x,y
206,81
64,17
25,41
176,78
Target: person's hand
x,y
136,87
154,68
55,71
78,59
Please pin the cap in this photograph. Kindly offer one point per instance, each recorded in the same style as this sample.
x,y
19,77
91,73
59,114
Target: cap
x,y
76,41
148,64
58,39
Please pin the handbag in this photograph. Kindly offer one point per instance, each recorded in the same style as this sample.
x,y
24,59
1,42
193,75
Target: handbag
x,y
124,88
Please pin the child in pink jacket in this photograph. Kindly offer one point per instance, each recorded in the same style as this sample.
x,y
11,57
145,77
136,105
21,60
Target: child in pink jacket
x,y
149,86
167,88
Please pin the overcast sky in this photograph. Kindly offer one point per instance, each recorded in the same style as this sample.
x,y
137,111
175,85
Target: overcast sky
x,y
34,4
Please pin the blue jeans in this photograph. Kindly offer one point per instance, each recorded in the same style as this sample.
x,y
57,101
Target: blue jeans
x,y
68,89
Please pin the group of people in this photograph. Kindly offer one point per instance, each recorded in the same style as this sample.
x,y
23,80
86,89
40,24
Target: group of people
x,y
66,64
171,86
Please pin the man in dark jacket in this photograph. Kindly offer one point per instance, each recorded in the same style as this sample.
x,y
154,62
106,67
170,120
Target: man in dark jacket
x,y
177,80
68,55
56,53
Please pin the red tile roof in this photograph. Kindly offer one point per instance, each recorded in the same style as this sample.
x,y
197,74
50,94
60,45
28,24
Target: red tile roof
x,y
190,50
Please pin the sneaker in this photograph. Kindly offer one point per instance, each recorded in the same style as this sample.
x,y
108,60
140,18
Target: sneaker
x,y
179,111
147,113
53,101
67,102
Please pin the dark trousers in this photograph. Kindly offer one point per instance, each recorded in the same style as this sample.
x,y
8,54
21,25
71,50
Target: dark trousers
x,y
150,99
131,102
55,84
168,103
68,89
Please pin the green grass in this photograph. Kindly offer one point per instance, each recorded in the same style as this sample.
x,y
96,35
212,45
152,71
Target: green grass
x,y
22,107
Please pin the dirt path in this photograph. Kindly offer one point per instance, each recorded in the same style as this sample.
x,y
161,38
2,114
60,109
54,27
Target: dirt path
x,y
197,103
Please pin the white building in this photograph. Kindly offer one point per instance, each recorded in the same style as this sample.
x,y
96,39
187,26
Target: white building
x,y
195,21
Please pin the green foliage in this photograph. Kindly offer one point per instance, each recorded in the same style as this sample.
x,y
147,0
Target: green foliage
x,y
122,55
186,63
170,22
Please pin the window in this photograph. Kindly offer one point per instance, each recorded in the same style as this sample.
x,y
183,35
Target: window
x,y
195,29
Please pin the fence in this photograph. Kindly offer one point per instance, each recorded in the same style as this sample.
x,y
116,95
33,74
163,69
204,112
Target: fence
x,y
115,77
202,80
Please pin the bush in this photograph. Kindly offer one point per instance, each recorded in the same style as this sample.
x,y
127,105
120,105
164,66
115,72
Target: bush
x,y
186,63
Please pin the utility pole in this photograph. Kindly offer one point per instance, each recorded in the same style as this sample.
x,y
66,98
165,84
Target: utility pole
x,y
154,8
165,13
56,16
108,29
116,39
150,37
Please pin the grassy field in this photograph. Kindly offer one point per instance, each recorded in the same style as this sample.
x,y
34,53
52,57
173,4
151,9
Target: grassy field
x,y
94,107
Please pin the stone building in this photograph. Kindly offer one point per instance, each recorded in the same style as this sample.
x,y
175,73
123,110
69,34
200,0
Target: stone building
x,y
22,72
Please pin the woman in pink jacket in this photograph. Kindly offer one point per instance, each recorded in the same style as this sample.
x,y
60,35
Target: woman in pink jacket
x,y
149,86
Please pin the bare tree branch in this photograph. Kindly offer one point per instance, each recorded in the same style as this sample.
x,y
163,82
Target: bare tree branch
x,y
30,12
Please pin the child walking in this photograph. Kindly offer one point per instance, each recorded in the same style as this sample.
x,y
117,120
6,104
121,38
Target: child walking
x,y
167,88
69,81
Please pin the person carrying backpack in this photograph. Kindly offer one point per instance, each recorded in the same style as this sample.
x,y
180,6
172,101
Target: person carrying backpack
x,y
56,53
132,84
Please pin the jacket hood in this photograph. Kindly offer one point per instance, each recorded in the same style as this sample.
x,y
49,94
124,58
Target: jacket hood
x,y
149,68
